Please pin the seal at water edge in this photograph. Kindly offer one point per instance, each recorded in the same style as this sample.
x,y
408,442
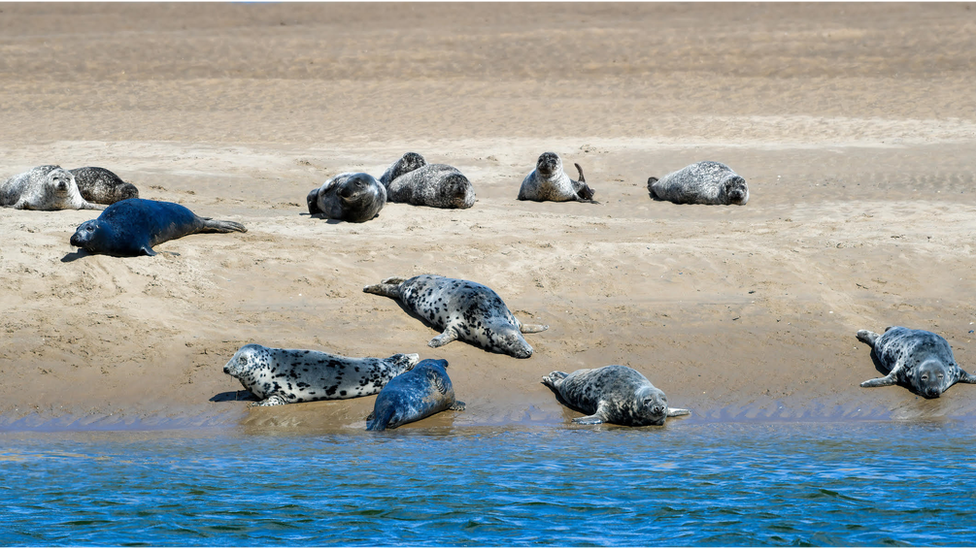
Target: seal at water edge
x,y
283,376
407,163
435,185
548,181
704,182
102,186
133,226
917,359
612,394
354,197
44,188
463,310
411,396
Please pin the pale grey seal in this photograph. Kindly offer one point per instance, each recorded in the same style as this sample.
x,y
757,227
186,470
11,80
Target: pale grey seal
x,y
612,394
102,186
548,181
917,359
414,395
407,163
44,188
435,185
283,376
704,182
355,197
133,226
463,309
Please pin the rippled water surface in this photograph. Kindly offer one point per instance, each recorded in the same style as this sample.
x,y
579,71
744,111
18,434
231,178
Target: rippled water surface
x,y
687,484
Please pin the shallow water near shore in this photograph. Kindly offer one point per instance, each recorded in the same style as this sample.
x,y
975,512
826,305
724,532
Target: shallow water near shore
x,y
688,484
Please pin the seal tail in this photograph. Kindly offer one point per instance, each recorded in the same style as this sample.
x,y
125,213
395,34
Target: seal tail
x,y
218,226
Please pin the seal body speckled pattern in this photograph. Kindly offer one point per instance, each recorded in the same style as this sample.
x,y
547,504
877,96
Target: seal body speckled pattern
x,y
133,226
463,309
407,163
548,181
44,188
284,376
612,394
353,197
411,396
917,359
102,186
435,185
701,183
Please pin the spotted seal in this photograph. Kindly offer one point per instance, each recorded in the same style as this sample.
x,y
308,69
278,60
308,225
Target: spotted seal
x,y
548,181
44,188
612,394
414,395
354,197
133,226
704,182
435,185
102,186
463,309
284,376
917,359
407,163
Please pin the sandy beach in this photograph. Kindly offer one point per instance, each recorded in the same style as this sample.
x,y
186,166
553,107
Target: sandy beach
x,y
854,125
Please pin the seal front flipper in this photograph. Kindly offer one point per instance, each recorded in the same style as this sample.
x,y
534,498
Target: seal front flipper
x,y
595,419
674,412
889,379
965,377
273,400
533,328
448,336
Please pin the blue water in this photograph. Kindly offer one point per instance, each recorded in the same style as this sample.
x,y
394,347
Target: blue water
x,y
688,484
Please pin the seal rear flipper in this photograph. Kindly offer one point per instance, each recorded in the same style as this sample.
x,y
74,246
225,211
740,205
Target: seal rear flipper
x,y
674,412
880,381
458,406
533,328
146,250
218,226
385,289
551,379
867,336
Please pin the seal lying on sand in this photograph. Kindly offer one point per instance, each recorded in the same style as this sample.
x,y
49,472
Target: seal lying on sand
x,y
701,183
414,395
354,197
919,360
282,376
612,394
548,181
463,309
102,186
133,226
44,188
411,180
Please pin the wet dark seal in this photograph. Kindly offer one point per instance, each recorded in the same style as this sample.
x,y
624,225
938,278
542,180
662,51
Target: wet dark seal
x,y
463,309
916,359
612,394
701,183
285,376
411,396
44,188
133,226
548,181
354,197
102,186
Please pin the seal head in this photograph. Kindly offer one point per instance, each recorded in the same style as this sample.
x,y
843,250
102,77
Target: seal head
x,y
407,163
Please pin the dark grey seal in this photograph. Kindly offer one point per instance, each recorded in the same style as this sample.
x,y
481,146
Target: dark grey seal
x,y
411,396
917,359
44,188
612,394
407,163
701,183
102,186
354,197
133,226
283,376
463,309
548,181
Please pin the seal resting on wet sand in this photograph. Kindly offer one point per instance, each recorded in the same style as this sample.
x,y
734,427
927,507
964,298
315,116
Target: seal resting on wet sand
x,y
283,376
463,309
548,181
917,359
44,188
412,396
354,197
612,394
102,186
701,183
133,226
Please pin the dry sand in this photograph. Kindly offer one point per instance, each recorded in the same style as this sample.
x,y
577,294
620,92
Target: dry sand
x,y
855,126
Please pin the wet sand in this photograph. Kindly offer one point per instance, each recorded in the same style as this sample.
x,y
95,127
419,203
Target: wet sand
x,y
854,125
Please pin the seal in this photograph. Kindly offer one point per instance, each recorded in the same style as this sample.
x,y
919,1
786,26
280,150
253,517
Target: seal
x,y
133,226
612,394
102,186
463,310
704,182
917,359
284,376
548,181
44,188
354,197
411,396
435,185
407,163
